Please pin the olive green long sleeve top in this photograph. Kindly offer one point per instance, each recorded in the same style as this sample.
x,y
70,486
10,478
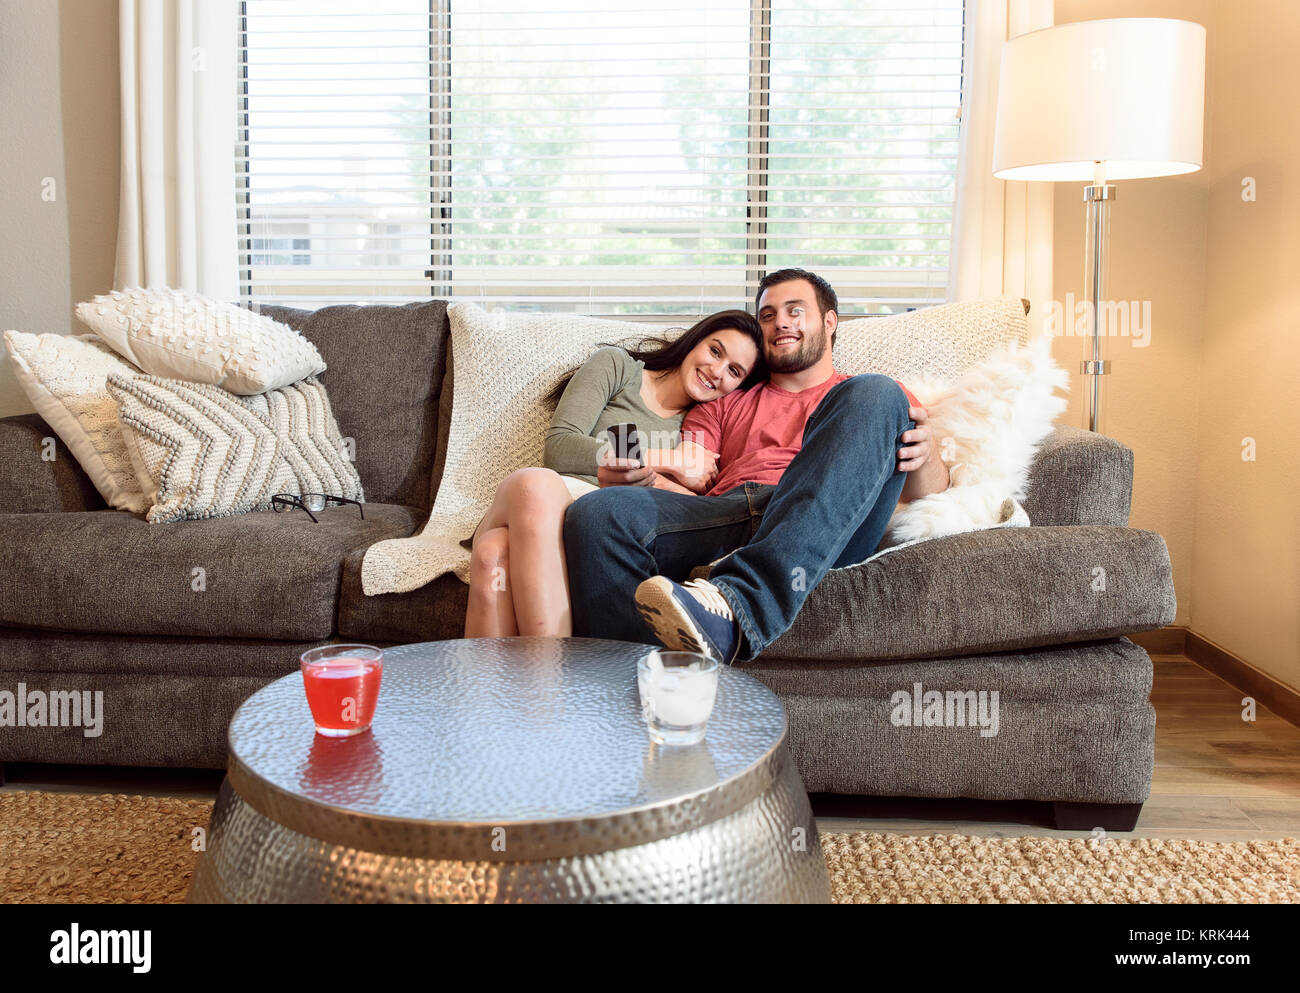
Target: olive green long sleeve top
x,y
606,390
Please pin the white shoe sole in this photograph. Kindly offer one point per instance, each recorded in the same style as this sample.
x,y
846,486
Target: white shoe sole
x,y
671,624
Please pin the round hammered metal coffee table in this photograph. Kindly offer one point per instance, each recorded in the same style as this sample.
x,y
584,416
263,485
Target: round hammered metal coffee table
x,y
511,770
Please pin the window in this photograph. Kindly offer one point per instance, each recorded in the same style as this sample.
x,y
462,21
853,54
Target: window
x,y
600,156
280,251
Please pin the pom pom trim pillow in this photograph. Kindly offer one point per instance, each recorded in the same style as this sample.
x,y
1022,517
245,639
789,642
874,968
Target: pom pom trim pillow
x,y
175,334
65,378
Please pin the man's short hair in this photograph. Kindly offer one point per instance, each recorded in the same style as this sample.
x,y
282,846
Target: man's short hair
x,y
826,298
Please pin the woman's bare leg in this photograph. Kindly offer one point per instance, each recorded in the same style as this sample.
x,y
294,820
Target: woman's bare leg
x,y
491,610
536,501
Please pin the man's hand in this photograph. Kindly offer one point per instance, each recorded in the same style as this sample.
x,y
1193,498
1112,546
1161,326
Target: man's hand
x,y
926,472
622,472
663,482
691,465
917,440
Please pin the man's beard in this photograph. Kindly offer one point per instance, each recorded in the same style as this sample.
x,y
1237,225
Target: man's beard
x,y
811,348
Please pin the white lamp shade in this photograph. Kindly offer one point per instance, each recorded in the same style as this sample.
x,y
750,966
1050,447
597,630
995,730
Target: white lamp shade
x,y
1128,92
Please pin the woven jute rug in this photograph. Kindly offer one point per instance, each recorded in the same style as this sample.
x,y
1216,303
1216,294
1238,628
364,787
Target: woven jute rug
x,y
106,848
97,848
891,868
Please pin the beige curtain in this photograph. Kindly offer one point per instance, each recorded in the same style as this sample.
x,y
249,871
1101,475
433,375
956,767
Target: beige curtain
x,y
1002,236
179,71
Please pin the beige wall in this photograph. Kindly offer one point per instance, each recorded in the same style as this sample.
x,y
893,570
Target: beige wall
x,y
1225,347
1246,556
60,110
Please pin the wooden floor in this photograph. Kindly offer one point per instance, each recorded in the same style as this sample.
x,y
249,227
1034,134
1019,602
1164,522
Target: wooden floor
x,y
1217,777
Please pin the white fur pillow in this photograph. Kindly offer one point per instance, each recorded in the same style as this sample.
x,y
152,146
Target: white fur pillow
x,y
176,334
987,426
504,365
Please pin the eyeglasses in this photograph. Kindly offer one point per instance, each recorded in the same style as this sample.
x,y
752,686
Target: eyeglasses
x,y
310,502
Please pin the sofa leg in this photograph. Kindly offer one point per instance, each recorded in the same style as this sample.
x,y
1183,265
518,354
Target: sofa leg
x,y
1086,816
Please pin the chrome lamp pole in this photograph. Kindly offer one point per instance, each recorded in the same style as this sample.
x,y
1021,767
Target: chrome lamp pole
x,y
1098,197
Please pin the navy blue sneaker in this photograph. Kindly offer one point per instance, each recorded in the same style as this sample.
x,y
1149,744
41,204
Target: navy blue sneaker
x,y
689,618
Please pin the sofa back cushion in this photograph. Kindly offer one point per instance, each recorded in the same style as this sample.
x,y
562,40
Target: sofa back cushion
x,y
386,365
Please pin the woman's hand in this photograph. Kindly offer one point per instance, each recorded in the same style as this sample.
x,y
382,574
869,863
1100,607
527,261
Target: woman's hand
x,y
693,466
611,471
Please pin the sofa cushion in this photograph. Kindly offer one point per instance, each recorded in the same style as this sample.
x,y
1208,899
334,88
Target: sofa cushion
x,y
386,367
38,473
264,575
434,612
1073,723
987,591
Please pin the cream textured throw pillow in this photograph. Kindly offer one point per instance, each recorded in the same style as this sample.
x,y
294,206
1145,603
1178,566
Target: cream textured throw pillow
x,y
941,342
65,378
176,334
211,453
504,365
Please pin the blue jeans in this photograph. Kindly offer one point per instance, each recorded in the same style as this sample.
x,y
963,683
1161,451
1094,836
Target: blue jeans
x,y
829,510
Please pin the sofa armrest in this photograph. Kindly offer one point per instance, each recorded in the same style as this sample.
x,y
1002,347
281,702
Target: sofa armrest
x,y
33,483
998,590
1080,477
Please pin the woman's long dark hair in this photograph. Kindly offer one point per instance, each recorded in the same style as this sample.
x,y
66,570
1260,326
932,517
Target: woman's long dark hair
x,y
663,353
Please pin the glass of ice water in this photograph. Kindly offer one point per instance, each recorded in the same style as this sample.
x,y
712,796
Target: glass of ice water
x,y
678,690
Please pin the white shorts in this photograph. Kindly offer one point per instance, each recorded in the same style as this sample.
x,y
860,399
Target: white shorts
x,y
578,487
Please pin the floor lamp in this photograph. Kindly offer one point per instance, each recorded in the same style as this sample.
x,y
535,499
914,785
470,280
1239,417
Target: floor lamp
x,y
1095,101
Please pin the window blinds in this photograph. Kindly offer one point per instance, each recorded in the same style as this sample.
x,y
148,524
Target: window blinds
x,y
599,156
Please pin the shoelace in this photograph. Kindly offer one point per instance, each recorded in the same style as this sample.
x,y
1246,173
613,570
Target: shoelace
x,y
708,597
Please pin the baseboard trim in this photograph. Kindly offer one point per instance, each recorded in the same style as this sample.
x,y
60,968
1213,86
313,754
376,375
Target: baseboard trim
x,y
1277,697
1162,641
1236,672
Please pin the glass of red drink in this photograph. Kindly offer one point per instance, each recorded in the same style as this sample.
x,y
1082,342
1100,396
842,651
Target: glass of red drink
x,y
342,683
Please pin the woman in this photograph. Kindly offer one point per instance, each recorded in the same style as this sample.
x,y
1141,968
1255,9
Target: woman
x,y
518,583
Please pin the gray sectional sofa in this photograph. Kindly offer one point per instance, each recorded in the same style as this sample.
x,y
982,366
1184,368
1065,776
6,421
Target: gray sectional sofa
x,y
98,599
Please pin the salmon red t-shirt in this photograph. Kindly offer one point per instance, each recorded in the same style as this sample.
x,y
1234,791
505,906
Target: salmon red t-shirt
x,y
756,432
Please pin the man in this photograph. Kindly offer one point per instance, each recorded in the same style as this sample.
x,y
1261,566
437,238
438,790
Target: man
x,y
809,473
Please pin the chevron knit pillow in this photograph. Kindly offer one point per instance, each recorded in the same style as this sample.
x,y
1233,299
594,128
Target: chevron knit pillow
x,y
210,453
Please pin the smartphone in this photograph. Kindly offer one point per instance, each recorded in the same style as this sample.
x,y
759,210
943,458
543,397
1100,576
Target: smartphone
x,y
625,442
